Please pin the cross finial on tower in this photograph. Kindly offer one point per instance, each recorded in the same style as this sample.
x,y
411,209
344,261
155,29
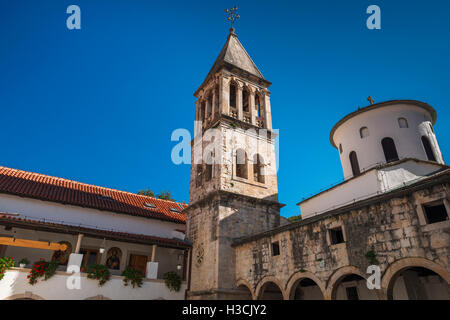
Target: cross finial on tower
x,y
232,16
370,99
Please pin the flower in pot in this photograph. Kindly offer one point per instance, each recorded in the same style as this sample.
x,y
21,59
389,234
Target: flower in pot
x,y
23,263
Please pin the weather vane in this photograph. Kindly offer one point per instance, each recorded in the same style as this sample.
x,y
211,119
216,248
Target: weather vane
x,y
232,15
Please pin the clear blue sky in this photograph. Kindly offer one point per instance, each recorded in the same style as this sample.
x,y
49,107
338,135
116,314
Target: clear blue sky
x,y
98,105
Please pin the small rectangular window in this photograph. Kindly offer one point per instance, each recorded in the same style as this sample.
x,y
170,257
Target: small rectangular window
x,y
435,213
336,236
275,249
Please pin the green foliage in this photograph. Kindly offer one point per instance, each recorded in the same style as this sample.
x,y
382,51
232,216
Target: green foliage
x,y
40,269
98,272
147,192
5,264
24,261
165,195
173,281
295,218
132,275
372,256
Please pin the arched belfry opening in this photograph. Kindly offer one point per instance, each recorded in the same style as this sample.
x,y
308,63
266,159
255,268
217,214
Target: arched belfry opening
x,y
245,100
233,95
389,149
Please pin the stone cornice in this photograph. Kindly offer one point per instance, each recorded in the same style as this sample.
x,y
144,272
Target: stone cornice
x,y
222,194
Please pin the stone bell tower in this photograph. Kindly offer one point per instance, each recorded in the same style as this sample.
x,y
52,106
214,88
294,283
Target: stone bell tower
x,y
233,185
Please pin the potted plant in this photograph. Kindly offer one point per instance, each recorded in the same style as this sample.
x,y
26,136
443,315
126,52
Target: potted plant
x,y
98,272
42,268
173,281
132,275
5,264
23,263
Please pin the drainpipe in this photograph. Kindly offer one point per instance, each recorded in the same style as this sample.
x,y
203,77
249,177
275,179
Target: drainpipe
x,y
189,264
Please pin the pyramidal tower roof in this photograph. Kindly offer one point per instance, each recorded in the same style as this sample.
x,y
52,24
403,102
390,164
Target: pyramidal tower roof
x,y
234,55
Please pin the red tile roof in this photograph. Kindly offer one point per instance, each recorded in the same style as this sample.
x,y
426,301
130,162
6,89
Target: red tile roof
x,y
100,233
43,187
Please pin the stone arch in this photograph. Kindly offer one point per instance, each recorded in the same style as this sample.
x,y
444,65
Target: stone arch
x,y
291,285
335,279
246,284
268,279
394,270
24,296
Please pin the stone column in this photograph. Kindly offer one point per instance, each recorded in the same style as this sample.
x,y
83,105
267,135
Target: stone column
x,y
267,116
224,91
214,98
197,128
78,246
208,106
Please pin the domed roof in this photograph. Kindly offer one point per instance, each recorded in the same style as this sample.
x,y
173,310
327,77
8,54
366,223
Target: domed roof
x,y
421,104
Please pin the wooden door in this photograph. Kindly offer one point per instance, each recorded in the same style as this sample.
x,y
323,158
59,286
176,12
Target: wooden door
x,y
90,257
138,262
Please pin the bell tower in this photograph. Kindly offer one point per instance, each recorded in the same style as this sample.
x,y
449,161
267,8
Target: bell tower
x,y
233,185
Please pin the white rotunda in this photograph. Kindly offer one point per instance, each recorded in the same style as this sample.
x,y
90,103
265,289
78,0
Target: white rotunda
x,y
386,132
382,147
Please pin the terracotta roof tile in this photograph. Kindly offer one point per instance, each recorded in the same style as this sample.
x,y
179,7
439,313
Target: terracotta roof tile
x,y
43,187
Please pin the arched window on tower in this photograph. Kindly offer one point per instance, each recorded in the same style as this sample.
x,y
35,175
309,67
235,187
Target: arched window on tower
x,y
258,167
354,163
340,148
210,104
203,111
402,123
216,101
233,95
364,132
241,164
389,149
209,166
428,149
245,102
